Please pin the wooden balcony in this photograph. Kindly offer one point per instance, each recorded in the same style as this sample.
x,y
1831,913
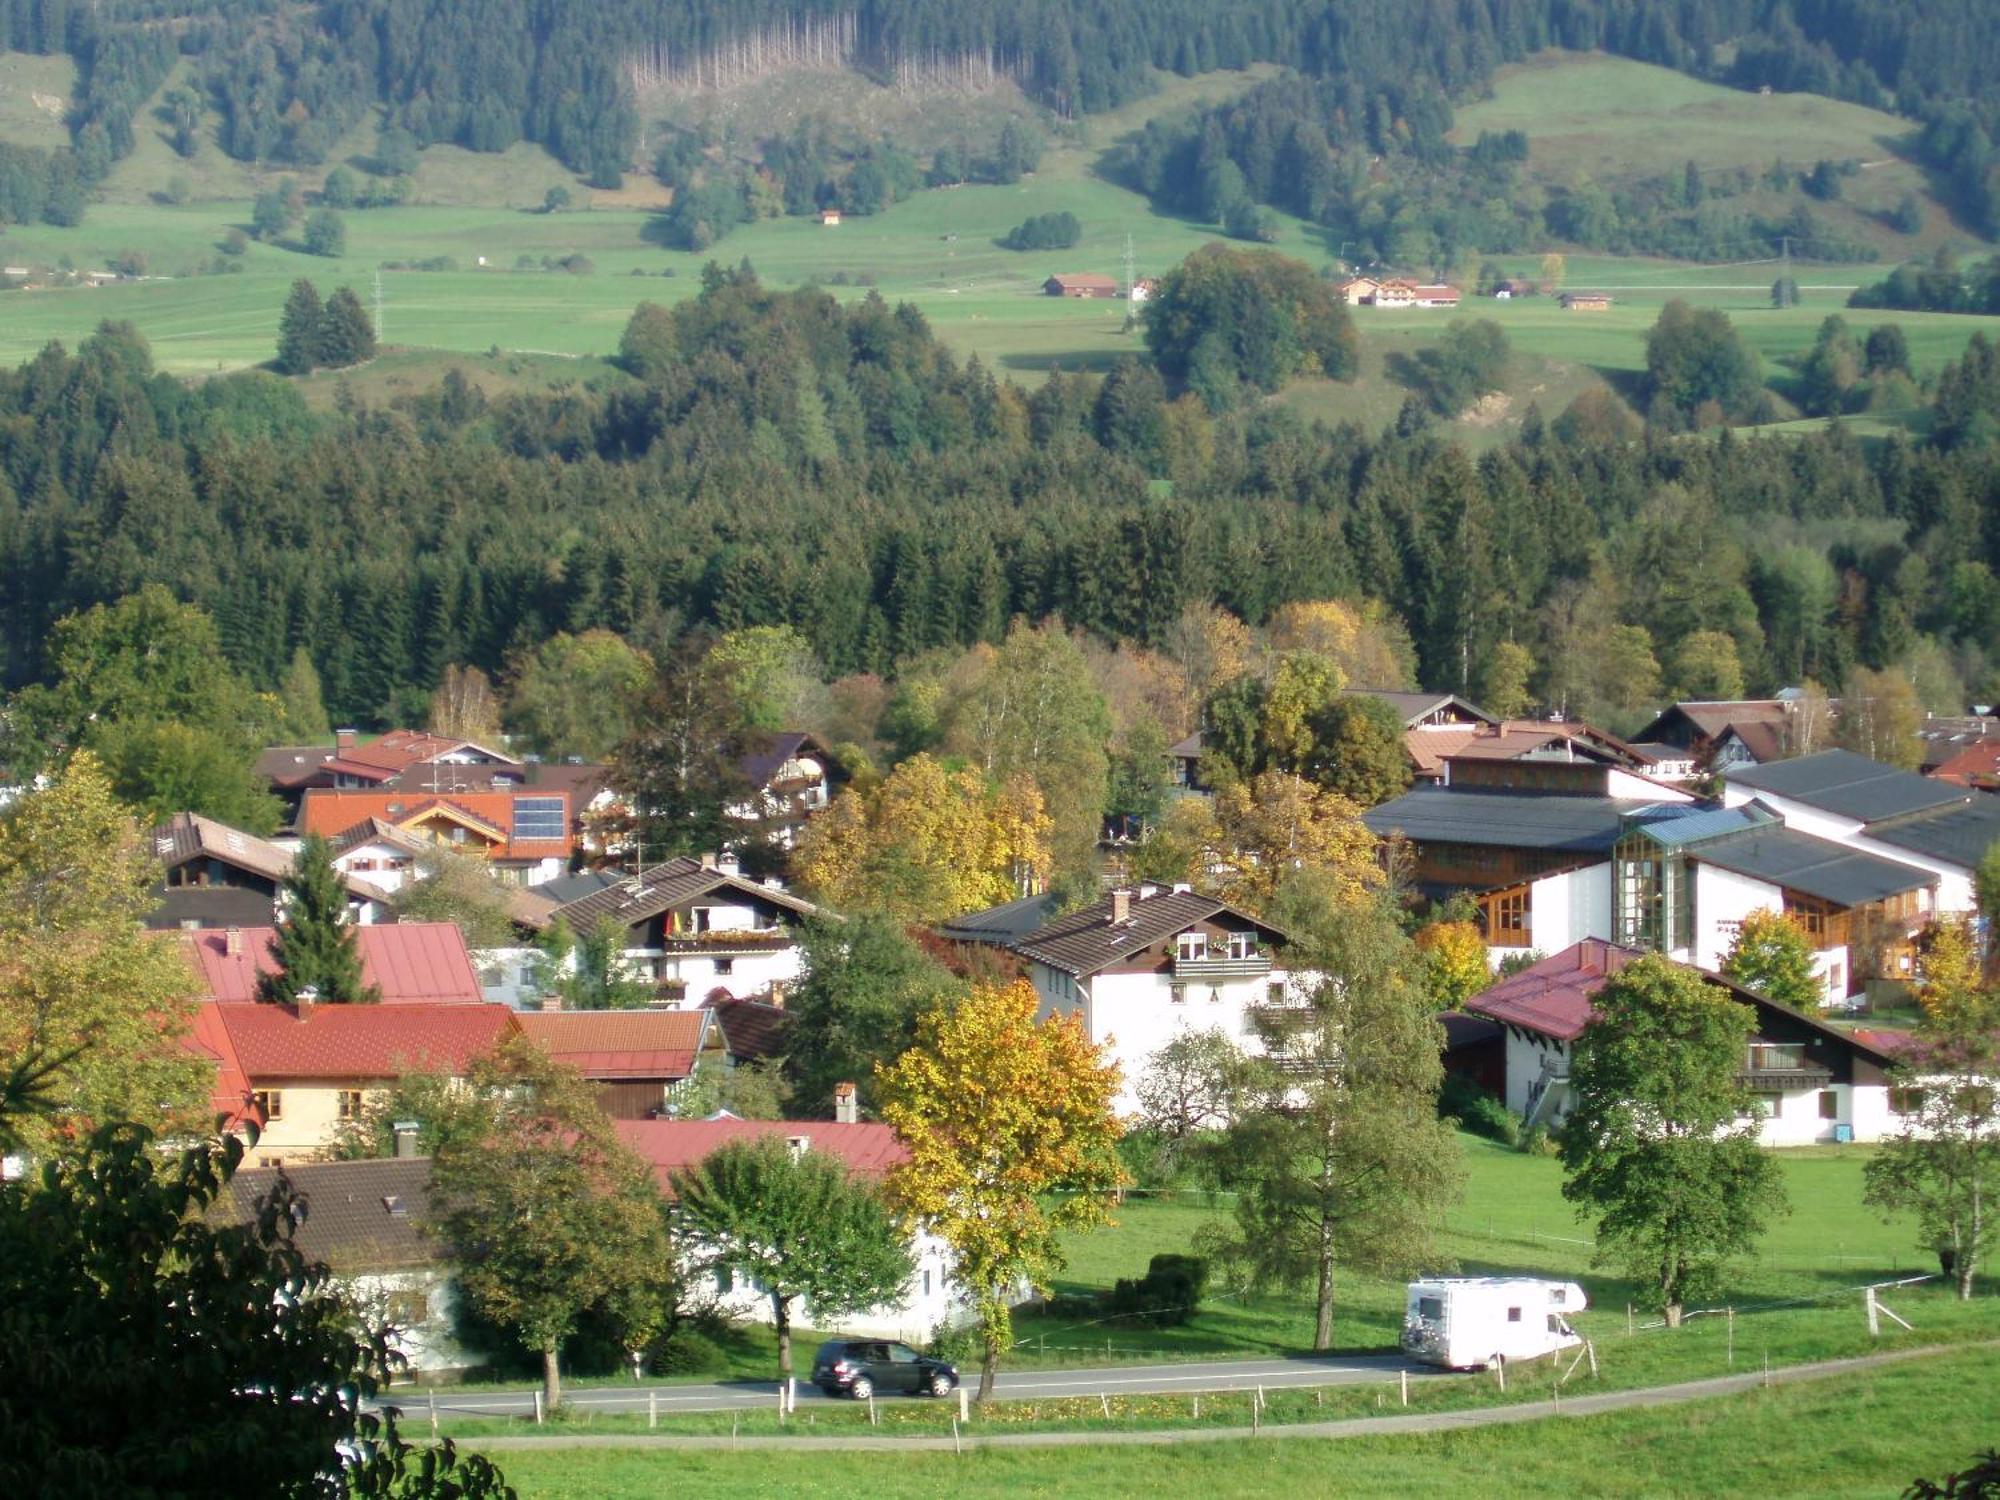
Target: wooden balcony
x,y
1218,968
760,940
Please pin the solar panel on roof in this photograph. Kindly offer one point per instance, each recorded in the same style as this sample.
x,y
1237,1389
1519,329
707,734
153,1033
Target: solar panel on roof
x,y
539,818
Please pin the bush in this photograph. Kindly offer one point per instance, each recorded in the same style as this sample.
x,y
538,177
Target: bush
x,y
1167,1295
1478,1111
958,1344
1056,231
687,1351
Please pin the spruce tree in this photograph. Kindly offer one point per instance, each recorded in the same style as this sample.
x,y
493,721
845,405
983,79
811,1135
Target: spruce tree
x,y
300,330
315,948
347,334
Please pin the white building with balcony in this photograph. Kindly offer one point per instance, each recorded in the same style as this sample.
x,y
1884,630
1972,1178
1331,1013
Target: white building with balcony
x,y
1144,966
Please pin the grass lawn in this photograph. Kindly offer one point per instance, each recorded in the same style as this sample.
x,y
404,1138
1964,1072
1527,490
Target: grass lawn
x,y
1854,1436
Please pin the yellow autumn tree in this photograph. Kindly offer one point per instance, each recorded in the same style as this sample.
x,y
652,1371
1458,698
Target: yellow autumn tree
x,y
1455,964
1279,824
81,984
927,844
1950,987
1012,1140
1365,640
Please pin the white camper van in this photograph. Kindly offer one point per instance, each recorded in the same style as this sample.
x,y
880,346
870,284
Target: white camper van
x,y
1469,1322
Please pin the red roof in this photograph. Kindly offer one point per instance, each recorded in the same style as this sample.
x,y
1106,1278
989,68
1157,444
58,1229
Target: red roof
x,y
1553,997
1975,766
411,963
605,1044
230,1098
331,813
868,1148
274,1042
390,753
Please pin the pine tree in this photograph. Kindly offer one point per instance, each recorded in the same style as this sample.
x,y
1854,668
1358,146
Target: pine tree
x,y
347,334
315,948
300,330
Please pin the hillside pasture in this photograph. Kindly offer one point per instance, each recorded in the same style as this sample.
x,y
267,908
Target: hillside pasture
x,y
34,96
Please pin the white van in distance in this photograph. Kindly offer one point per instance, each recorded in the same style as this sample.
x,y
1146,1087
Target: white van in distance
x,y
1470,1322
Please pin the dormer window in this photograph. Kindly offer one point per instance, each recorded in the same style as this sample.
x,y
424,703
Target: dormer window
x,y
1242,945
1190,947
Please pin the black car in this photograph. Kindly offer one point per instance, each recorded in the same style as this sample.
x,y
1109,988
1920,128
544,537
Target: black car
x,y
868,1367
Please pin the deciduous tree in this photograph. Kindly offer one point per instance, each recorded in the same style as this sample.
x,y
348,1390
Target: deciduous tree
x,y
1773,956
1661,1141
463,706
866,987
797,1226
1012,1141
545,1212
81,986
1192,1085
1340,1160
445,886
1455,962
577,694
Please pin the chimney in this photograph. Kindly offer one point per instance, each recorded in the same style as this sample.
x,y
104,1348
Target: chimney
x,y
232,942
1121,906
304,1001
708,861
552,1002
406,1138
727,862
846,1104
343,739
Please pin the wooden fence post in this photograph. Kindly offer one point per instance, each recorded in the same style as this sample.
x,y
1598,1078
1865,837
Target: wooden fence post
x,y
538,1408
652,1408
1500,1370
1404,1377
964,1409
434,1413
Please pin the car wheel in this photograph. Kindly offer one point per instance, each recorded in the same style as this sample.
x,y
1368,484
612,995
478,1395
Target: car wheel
x,y
862,1388
940,1384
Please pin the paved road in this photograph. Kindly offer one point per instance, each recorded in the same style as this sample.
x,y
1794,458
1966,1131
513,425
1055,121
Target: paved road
x,y
1415,1422
1123,1380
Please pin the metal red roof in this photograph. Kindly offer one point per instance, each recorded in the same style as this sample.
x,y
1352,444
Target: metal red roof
x,y
411,963
868,1148
333,813
364,1042
605,1044
1553,997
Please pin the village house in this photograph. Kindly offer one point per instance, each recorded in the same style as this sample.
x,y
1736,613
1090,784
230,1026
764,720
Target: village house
x,y
218,876
1081,284
829,218
1144,966
1693,738
1143,289
368,1222
1976,766
637,1058
789,778
1814,1084
868,1150
1434,295
751,1031
698,929
1585,302
300,1072
1394,294
1356,291
525,836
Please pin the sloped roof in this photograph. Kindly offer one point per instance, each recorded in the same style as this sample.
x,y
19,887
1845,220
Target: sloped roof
x,y
1511,739
867,1148
764,756
1187,749
287,767
401,748
1085,941
1506,819
1959,834
359,1215
189,835
332,813
1005,924
229,1099
605,1044
1848,785
637,898
1818,867
377,831
1976,765
1555,996
411,963
273,1043
1710,717
1415,706
751,1030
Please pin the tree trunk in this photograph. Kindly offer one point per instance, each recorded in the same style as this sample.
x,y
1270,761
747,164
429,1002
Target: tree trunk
x,y
1673,1315
551,1379
1323,1309
781,1316
989,1357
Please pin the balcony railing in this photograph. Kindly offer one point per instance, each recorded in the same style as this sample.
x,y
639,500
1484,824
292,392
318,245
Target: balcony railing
x,y
1221,966
747,940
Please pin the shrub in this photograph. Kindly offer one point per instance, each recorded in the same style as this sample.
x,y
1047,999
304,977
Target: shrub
x,y
686,1351
1057,231
1478,1111
1167,1295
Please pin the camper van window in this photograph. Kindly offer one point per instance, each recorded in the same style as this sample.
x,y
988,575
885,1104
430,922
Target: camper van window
x,y
1555,1324
1556,1295
1430,1307
1513,1315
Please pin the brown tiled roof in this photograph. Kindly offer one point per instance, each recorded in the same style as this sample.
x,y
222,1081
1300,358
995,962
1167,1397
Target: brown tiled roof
x,y
663,887
288,767
766,755
188,835
1514,738
1084,278
399,749
1086,941
751,1030
607,1044
359,1215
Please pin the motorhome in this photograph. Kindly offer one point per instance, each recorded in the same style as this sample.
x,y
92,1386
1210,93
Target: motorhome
x,y
1472,1322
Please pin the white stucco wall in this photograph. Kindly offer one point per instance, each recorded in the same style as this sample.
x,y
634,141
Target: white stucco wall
x,y
1724,896
1525,1057
1619,783
1954,891
930,1297
428,1347
508,975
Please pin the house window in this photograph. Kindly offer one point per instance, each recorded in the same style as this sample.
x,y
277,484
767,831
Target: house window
x,y
1191,947
927,1283
406,1309
270,1103
725,1280
1178,993
1905,1101
1274,992
1829,1105
1513,1315
725,966
350,1104
1242,945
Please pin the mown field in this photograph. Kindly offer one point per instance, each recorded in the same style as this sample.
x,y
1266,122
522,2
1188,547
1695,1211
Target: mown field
x,y
1857,1436
936,250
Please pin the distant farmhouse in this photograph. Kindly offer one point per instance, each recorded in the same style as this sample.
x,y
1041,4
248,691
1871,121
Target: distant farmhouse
x,y
1081,284
1366,291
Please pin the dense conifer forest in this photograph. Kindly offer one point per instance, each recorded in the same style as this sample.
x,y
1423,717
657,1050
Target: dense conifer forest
x,y
790,460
